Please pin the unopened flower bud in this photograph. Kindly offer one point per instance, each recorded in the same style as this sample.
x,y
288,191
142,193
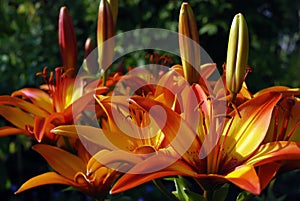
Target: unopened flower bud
x,y
88,47
67,41
237,55
105,30
114,9
189,44
89,64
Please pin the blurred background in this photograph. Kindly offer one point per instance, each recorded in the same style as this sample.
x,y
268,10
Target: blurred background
x,y
29,41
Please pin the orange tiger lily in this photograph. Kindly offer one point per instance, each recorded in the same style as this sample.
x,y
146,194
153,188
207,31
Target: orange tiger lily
x,y
234,157
82,172
35,112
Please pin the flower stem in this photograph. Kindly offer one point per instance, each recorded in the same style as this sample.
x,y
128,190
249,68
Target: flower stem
x,y
104,77
208,195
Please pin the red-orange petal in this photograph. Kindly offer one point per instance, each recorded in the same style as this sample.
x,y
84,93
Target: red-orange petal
x,y
245,177
275,151
286,91
246,133
44,179
7,130
128,180
25,105
60,160
37,96
267,172
177,131
16,116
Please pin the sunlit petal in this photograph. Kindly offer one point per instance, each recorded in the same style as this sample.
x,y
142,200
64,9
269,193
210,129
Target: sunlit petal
x,y
246,133
44,179
246,178
16,116
27,106
62,161
179,134
38,97
275,151
286,91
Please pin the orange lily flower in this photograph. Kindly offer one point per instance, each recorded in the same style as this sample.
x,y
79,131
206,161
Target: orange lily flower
x,y
35,112
284,123
233,158
82,172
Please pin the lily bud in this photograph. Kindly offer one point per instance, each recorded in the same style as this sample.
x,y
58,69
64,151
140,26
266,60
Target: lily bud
x,y
88,63
114,9
88,47
105,30
189,44
237,55
67,41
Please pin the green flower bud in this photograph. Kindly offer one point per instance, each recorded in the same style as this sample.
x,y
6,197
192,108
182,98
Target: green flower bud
x,y
237,55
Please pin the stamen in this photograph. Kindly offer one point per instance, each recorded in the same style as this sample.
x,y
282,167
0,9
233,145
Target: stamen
x,y
248,70
65,73
233,105
226,134
224,68
276,114
292,131
288,109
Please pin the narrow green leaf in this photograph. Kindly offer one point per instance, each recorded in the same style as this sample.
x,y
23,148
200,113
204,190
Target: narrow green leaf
x,y
221,193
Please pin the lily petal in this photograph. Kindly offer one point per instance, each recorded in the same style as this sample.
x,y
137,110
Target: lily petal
x,y
206,70
113,160
177,131
246,133
39,128
286,91
128,181
38,97
29,107
16,116
246,178
78,105
62,161
44,179
275,151
267,172
7,130
93,137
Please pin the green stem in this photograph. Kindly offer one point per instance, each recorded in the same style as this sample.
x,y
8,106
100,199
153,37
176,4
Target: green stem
x,y
164,190
207,193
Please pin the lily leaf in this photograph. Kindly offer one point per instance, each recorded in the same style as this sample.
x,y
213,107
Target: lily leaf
x,y
244,196
221,193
